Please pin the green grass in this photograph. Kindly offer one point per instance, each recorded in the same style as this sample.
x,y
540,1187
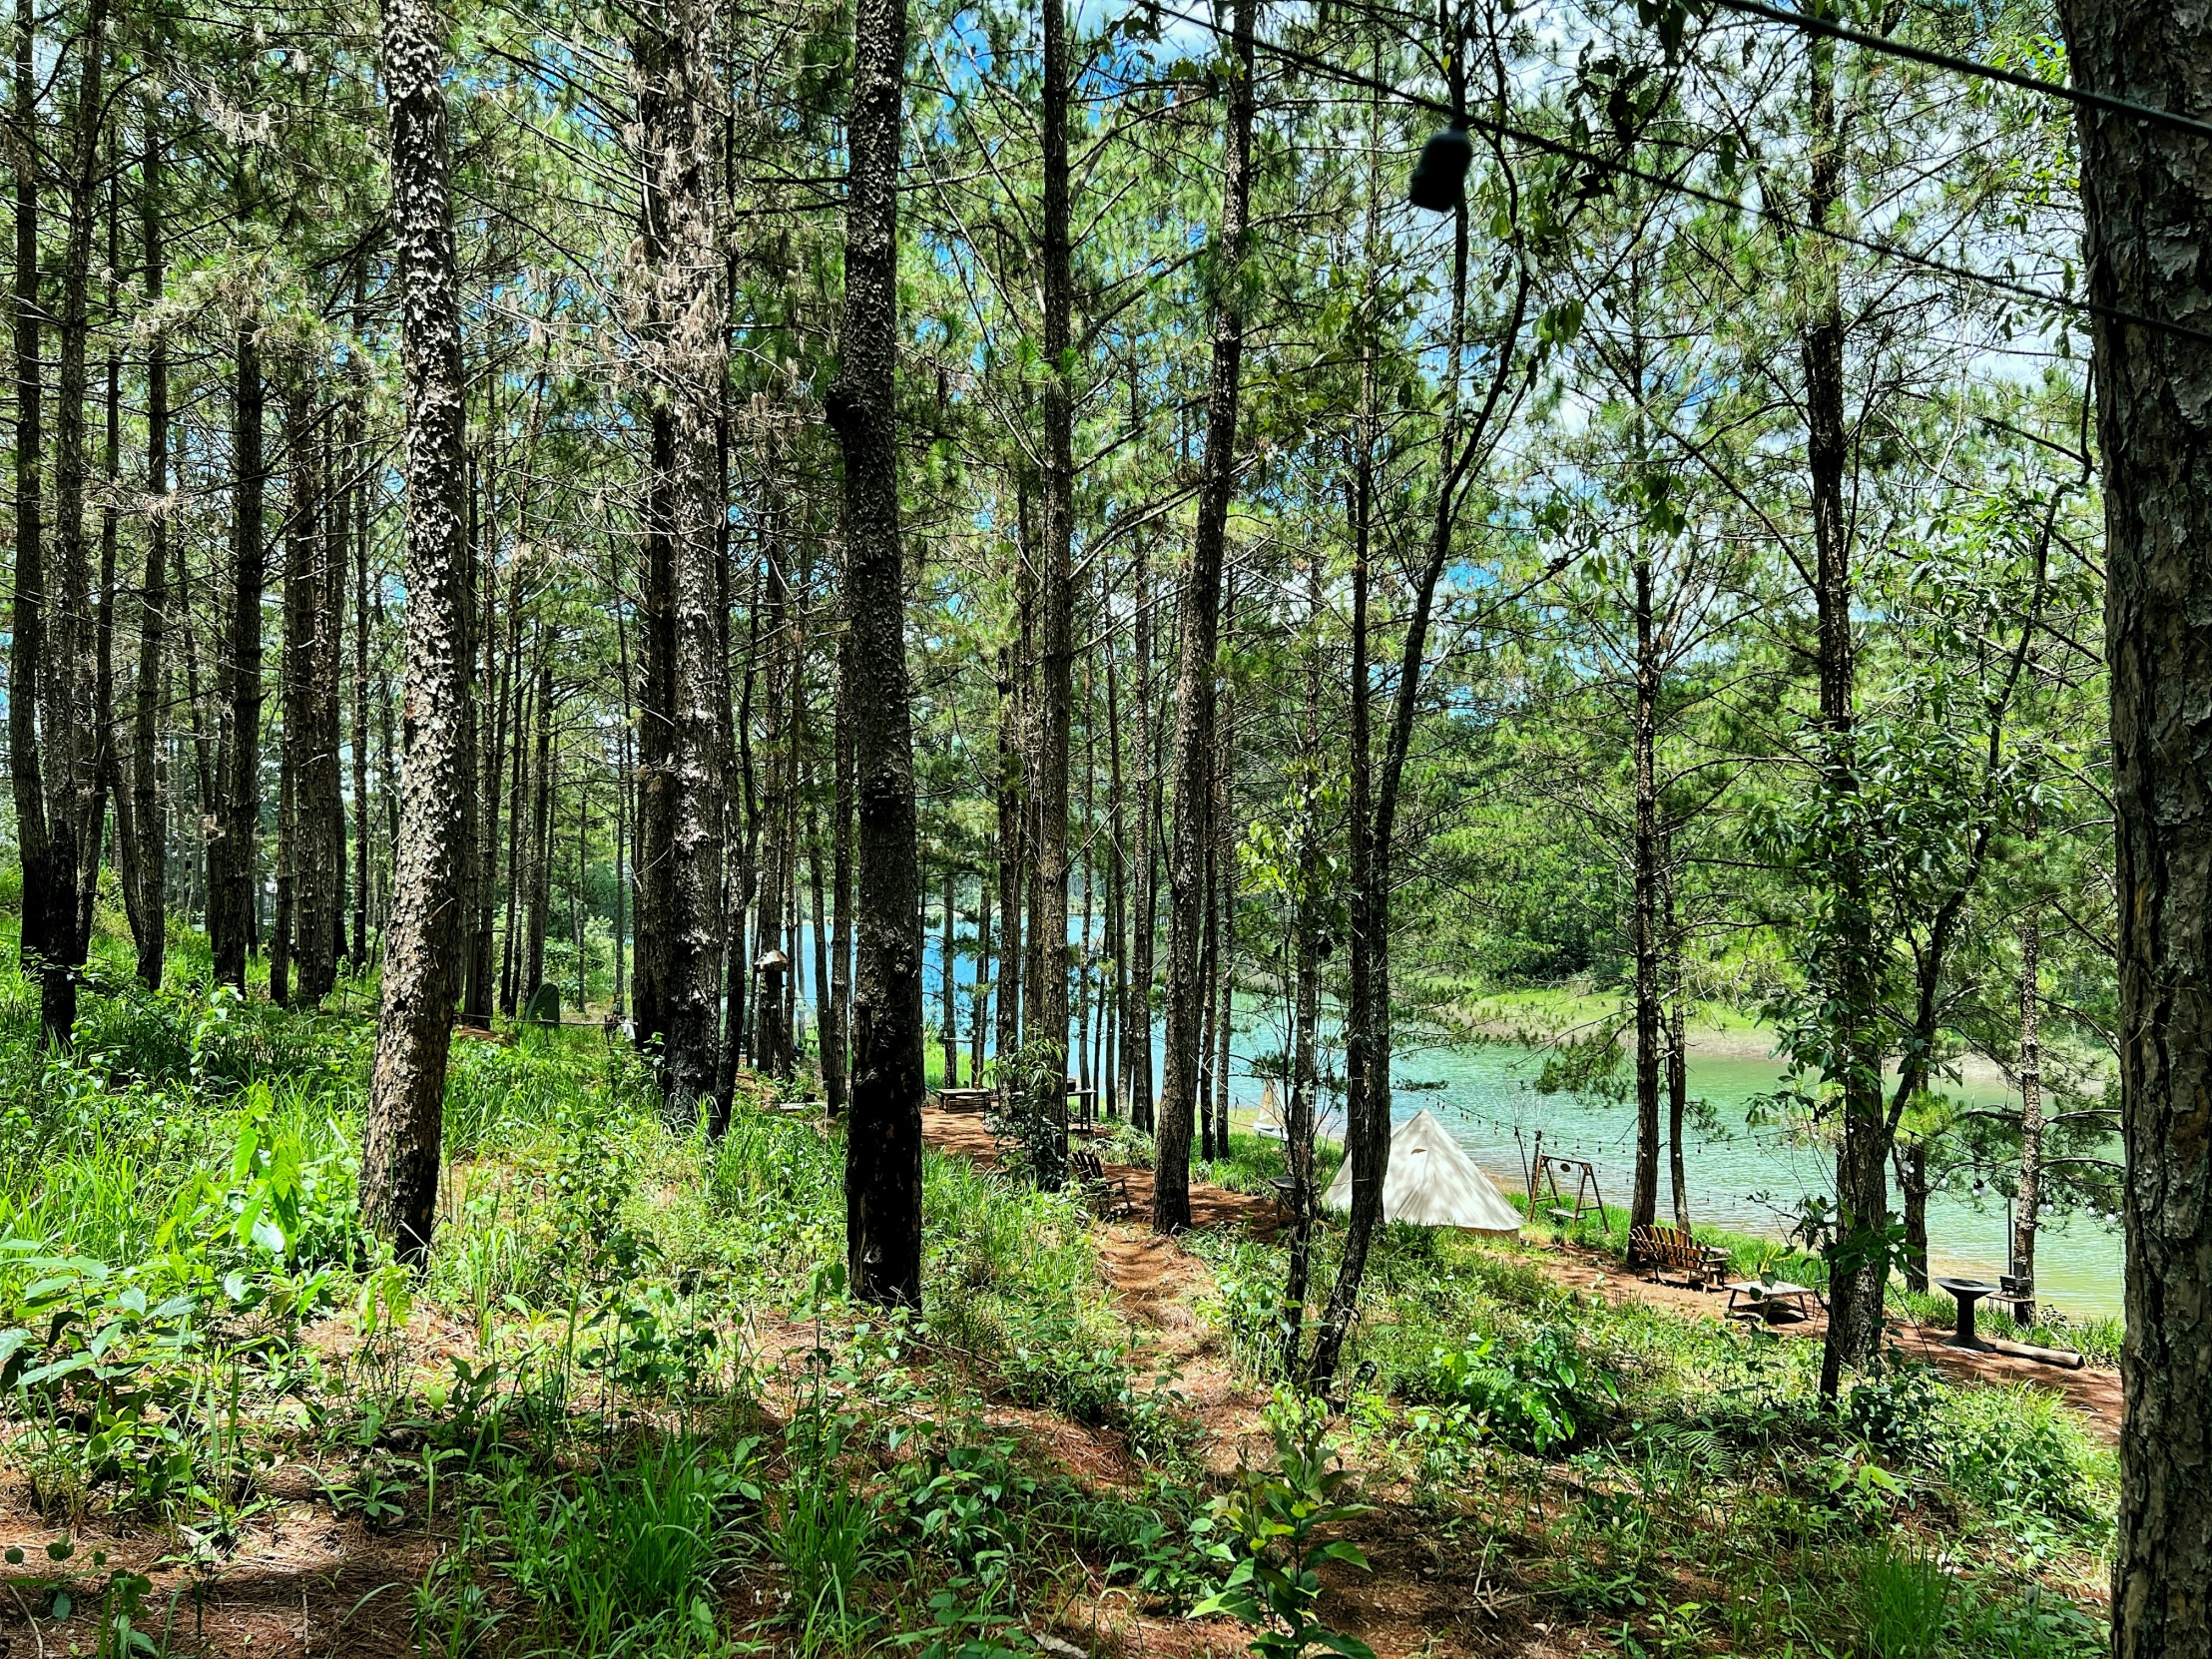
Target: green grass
x,y
618,1459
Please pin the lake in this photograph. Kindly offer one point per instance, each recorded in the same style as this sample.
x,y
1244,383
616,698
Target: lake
x,y
1742,1179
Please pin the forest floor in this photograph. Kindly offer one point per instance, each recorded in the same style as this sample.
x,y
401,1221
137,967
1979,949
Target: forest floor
x,y
629,1410
1158,1285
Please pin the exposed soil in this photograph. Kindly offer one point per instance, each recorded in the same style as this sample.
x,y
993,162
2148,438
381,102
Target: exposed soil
x,y
302,1581
2093,1391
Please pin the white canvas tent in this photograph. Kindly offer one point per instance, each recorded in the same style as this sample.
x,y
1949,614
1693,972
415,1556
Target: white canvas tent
x,y
1433,1182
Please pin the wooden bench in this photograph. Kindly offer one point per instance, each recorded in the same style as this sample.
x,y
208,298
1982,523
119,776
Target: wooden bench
x,y
1666,1250
1110,1193
966,1100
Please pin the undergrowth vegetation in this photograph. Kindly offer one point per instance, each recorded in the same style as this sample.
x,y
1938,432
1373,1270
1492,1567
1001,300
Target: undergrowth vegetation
x,y
635,1411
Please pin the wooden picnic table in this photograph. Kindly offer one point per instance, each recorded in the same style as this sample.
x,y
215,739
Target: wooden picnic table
x,y
966,1100
1770,1298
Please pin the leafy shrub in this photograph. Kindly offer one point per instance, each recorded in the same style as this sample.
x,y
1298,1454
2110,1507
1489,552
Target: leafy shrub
x,y
1536,1395
1029,1116
2017,1451
1275,1521
1896,1408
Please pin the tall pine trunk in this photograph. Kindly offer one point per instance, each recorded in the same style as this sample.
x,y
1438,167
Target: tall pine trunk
x,y
1306,924
27,622
316,861
145,855
1368,1096
414,1028
1643,1203
1194,721
837,1018
1859,1263
66,685
2143,190
357,522
1136,1041
687,318
1048,995
237,805
1010,848
884,1139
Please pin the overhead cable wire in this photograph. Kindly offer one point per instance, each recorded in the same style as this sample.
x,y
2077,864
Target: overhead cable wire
x,y
1561,149
2081,97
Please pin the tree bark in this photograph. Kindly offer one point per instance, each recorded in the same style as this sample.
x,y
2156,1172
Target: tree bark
x,y
837,1022
1678,1051
357,519
1113,1073
1201,609
2027,1201
539,896
401,1144
232,826
947,976
66,686
1643,1204
27,625
1858,1260
488,726
1368,1152
2028,1194
1305,923
1048,995
305,862
1010,861
1225,898
1136,1042
688,317
884,1139
1368,1101
146,859
2143,190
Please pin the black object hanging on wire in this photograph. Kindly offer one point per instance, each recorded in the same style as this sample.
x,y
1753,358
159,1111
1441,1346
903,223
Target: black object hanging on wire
x,y
1440,176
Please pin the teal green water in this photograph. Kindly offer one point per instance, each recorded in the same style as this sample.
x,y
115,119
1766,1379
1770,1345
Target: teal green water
x,y
1747,1180
1740,1178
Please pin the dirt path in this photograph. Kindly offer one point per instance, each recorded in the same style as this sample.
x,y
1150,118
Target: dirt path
x,y
2094,1392
1141,1276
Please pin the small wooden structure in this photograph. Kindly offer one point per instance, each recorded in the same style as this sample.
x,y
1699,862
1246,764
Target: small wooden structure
x,y
1664,1250
1771,1299
1110,1193
1544,1175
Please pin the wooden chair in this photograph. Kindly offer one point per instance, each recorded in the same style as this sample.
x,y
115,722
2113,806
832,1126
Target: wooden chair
x,y
1109,1193
1666,1250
